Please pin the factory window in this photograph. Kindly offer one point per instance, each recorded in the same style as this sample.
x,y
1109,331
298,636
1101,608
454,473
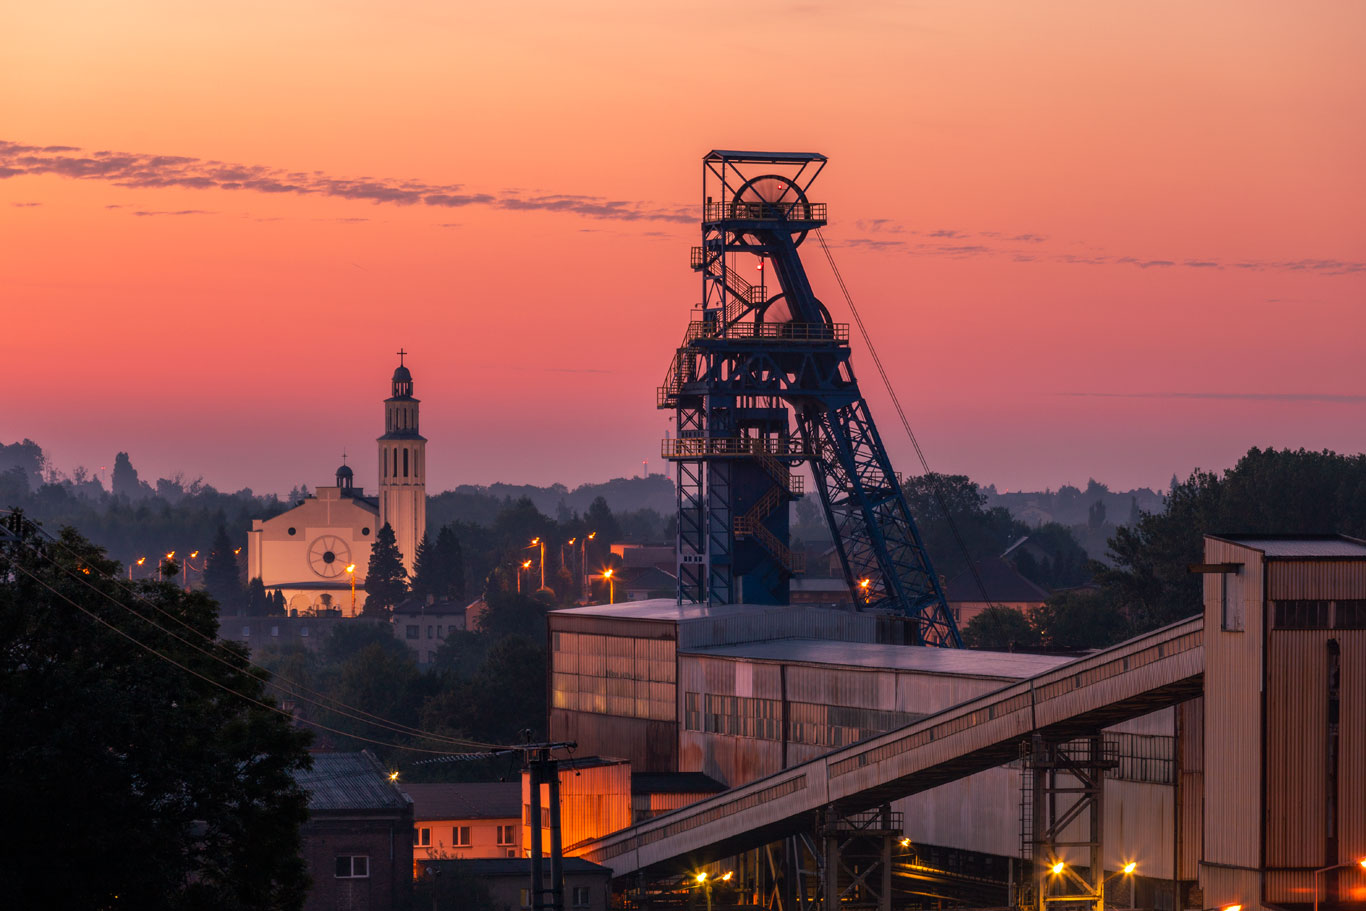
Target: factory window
x,y
353,866
460,836
1349,614
1230,609
580,897
1144,757
1302,614
422,838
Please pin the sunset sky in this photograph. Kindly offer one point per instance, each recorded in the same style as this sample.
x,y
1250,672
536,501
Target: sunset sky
x,y
1091,239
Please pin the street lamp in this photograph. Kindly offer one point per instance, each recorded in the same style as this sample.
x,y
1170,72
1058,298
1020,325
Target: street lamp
x,y
535,542
583,561
526,564
863,588
608,574
351,571
141,560
162,565
1361,863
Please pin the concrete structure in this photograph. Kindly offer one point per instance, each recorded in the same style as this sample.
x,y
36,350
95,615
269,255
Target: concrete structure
x,y
403,468
462,820
357,840
423,624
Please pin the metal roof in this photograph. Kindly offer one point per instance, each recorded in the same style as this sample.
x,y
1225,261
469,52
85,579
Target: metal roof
x,y
662,609
876,655
466,800
1300,546
349,781
718,154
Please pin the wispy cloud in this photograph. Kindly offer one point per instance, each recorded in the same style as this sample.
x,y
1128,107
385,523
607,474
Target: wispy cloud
x,y
25,205
143,213
144,171
1321,397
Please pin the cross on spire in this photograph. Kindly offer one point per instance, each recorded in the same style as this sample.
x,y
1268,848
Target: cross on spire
x,y
401,352
343,456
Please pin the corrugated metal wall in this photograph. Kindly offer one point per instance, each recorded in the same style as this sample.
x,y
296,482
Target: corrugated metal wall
x,y
1296,748
1293,579
1190,764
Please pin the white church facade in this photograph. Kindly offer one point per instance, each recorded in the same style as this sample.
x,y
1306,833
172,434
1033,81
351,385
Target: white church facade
x,y
306,552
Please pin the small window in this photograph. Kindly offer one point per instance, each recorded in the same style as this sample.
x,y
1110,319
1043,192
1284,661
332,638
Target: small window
x,y
303,632
1349,614
412,631
246,632
1230,608
429,631
292,529
353,866
460,836
365,532
422,838
512,852
507,835
580,896
1302,614
275,631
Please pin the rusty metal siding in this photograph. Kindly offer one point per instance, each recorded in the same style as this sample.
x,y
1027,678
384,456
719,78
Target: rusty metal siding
x,y
1233,711
1190,761
1296,748
1315,579
1352,771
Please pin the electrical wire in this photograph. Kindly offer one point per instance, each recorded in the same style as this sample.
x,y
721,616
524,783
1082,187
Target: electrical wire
x,y
222,686
901,413
290,688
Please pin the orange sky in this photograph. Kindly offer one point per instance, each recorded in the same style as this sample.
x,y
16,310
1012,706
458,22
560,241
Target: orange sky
x,y
1116,240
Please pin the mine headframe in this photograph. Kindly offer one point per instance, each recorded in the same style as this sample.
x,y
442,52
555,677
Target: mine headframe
x,y
763,383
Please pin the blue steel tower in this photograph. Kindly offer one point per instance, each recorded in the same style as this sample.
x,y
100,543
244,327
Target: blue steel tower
x,y
762,383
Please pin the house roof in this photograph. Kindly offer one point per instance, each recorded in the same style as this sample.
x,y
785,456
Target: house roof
x,y
349,781
510,866
1300,546
953,662
466,800
1001,580
674,783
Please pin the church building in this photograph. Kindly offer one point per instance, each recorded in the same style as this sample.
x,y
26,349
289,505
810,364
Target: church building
x,y
306,551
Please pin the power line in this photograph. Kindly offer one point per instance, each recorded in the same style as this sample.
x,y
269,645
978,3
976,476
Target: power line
x,y
901,413
290,688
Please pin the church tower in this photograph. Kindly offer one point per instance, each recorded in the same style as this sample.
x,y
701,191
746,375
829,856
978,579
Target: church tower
x,y
403,468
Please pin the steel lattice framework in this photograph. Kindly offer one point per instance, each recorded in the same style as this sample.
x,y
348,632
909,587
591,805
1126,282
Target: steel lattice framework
x,y
762,383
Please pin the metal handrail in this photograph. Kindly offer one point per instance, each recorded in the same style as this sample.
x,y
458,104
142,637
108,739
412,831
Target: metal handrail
x,y
699,447
796,210
773,332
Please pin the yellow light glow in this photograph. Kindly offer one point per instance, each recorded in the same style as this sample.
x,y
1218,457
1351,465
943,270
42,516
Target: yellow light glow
x,y
1363,863
237,550
393,776
535,541
170,555
905,842
1057,868
194,553
351,568
1233,908
607,573
572,540
864,583
526,564
1130,867
141,560
725,877
701,877
592,535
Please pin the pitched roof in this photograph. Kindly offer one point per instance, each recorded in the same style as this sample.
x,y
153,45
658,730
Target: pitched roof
x,y
1300,546
466,800
349,781
1001,580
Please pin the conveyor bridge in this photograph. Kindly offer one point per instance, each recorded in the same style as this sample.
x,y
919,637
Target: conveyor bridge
x,y
1142,675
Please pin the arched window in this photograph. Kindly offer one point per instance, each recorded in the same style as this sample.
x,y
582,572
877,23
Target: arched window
x,y
405,463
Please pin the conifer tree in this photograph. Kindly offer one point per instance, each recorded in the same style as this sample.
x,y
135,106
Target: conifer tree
x,y
279,607
258,602
423,569
386,582
452,563
221,578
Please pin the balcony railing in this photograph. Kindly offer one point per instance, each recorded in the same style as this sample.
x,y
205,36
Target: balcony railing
x,y
796,210
772,332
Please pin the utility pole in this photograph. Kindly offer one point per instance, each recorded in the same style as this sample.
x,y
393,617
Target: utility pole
x,y
543,769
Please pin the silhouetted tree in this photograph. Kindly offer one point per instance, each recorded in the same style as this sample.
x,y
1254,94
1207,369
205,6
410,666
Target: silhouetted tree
x,y
124,481
386,580
258,602
202,811
221,575
278,606
1000,629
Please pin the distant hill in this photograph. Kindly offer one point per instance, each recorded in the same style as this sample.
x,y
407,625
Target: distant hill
x,y
481,504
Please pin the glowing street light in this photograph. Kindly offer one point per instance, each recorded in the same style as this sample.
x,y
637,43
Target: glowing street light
x,y
608,574
583,561
863,588
525,565
537,542
351,571
1057,868
141,560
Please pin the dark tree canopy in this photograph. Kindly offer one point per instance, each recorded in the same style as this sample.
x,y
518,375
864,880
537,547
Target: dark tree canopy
x,y
179,793
1001,629
439,569
386,582
222,579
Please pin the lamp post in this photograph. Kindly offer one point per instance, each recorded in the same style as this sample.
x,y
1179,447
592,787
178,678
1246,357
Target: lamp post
x,y
609,575
1361,863
539,542
583,561
351,571
185,571
162,565
141,560
863,588
526,564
